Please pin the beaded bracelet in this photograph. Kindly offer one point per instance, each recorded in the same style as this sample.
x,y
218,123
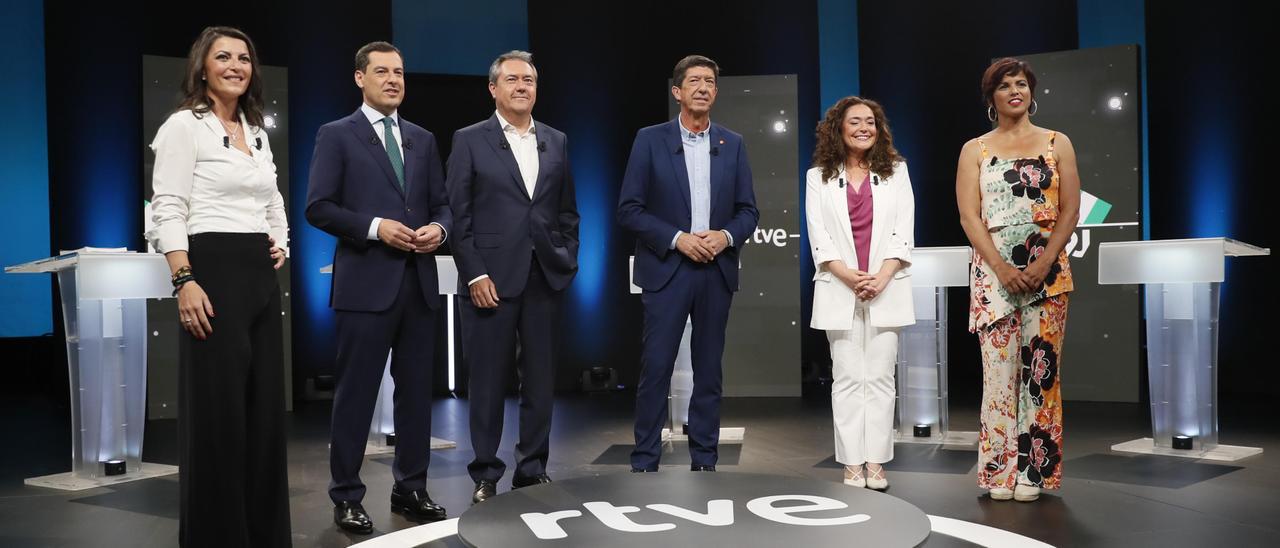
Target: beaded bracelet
x,y
180,280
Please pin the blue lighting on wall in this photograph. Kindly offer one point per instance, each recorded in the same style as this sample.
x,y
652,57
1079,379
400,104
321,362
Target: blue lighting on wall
x,y
837,50
586,310
25,300
450,37
310,249
1212,192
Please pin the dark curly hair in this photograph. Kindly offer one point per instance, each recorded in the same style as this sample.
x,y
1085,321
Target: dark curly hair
x,y
830,153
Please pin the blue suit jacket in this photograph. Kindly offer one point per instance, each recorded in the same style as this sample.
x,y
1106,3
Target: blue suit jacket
x,y
499,226
655,201
351,183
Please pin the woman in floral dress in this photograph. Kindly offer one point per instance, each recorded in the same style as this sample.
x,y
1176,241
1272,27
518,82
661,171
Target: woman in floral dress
x,y
1019,198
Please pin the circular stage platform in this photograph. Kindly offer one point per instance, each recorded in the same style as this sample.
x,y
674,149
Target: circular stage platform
x,y
670,509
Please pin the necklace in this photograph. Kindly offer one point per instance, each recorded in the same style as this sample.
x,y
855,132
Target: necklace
x,y
230,129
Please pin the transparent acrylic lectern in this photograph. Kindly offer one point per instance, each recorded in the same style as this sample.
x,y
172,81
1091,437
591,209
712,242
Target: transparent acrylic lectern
x,y
104,311
922,349
1182,279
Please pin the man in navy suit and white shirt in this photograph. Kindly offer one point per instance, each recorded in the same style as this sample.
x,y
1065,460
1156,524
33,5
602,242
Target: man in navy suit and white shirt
x,y
376,184
687,197
516,246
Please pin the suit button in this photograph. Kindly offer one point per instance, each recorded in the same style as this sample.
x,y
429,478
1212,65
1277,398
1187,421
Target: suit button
x,y
408,210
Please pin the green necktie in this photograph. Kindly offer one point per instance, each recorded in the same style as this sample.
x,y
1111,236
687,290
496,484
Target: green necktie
x,y
393,150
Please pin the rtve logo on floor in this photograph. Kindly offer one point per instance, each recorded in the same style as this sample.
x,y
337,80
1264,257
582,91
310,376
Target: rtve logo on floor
x,y
719,513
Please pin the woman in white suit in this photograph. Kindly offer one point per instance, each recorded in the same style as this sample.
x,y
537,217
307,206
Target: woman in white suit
x,y
860,213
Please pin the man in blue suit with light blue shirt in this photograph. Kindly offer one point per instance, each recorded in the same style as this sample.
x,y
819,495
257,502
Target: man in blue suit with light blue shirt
x,y
687,197
377,185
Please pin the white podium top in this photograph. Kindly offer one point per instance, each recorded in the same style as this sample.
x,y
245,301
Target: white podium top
x,y
940,266
446,273
631,276
1195,260
108,274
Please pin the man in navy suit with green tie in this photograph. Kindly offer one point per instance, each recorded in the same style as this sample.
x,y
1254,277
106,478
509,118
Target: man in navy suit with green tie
x,y
377,185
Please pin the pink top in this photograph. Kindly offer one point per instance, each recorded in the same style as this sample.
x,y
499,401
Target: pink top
x,y
860,208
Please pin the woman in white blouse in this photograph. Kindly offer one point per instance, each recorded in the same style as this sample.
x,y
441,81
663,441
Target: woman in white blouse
x,y
860,211
219,220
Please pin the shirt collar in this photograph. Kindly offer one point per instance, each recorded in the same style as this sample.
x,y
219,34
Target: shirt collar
x,y
509,128
689,135
376,117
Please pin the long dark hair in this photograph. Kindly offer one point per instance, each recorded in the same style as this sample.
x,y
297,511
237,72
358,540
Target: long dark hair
x,y
831,153
195,91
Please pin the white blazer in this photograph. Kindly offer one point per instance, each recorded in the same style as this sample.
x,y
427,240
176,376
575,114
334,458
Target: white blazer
x,y
831,238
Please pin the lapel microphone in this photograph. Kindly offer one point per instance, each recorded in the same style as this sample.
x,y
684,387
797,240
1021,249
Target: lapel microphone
x,y
715,151
257,143
504,145
875,179
842,182
408,145
226,142
374,140
680,150
542,146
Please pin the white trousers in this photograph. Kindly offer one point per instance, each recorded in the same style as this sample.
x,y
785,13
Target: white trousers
x,y
862,391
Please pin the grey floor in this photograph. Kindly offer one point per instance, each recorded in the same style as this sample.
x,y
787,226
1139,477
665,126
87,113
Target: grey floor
x,y
1108,499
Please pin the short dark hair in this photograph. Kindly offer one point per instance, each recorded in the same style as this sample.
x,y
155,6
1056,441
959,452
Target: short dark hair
x,y
998,70
677,76
496,67
195,90
362,54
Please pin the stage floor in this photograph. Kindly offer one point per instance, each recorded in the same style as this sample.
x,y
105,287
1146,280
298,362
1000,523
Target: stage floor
x,y
1107,499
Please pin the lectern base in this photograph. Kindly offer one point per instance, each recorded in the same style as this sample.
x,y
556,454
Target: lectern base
x,y
727,435
1224,453
382,449
66,481
954,438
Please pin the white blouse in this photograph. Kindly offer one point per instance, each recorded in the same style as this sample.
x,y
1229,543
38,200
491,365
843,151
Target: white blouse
x,y
202,186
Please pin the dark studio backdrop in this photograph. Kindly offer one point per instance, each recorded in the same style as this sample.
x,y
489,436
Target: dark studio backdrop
x,y
603,76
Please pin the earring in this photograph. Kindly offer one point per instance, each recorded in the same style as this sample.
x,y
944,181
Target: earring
x,y
202,78
991,112
1035,107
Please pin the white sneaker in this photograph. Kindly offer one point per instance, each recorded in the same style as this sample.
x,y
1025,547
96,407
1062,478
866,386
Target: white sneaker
x,y
1000,493
853,476
1026,493
877,480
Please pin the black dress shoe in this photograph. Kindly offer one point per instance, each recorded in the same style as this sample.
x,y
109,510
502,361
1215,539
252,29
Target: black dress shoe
x,y
350,516
521,481
416,505
703,468
485,490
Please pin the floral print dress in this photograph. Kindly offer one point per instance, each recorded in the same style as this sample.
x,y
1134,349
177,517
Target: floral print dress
x,y
1020,333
